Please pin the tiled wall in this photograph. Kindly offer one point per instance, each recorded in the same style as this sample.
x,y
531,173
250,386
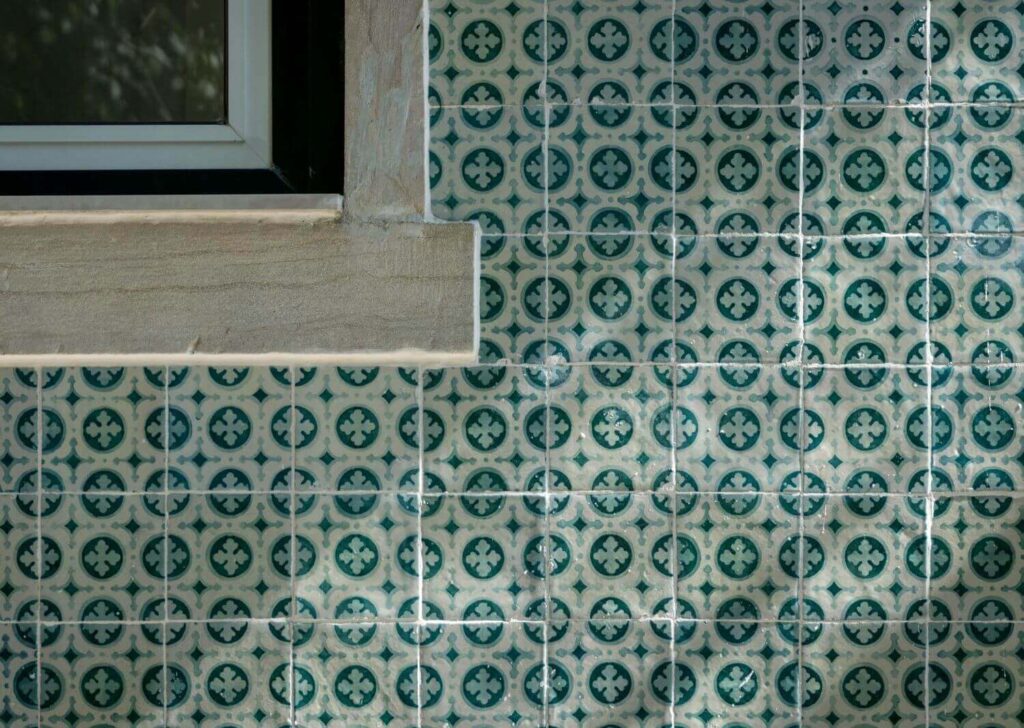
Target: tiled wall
x,y
744,449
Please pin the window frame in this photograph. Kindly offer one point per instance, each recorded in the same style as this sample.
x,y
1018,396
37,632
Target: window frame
x,y
242,142
307,72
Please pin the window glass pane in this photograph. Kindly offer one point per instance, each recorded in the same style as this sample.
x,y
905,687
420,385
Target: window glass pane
x,y
113,62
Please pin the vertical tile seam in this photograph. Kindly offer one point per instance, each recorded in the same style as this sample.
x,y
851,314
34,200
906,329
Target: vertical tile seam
x,y
420,544
165,671
673,463
548,372
802,362
39,547
292,550
929,504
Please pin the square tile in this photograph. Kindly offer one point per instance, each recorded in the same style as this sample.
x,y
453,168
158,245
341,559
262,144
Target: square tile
x,y
742,54
20,540
864,171
867,428
484,558
19,661
115,673
739,673
736,171
862,672
857,549
976,313
490,674
364,673
975,167
867,302
976,671
483,416
236,671
362,435
732,283
621,671
737,557
105,547
978,541
977,414
589,40
608,297
858,52
491,163
735,428
18,405
357,556
976,51
618,562
603,422
488,53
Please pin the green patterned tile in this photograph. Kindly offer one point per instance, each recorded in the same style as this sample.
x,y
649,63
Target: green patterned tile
x,y
487,415
976,673
982,540
114,674
20,539
738,54
364,674
605,423
737,169
865,557
229,672
487,52
864,171
19,656
867,429
976,312
18,402
735,673
976,155
487,556
609,670
736,429
482,673
866,53
862,673
977,51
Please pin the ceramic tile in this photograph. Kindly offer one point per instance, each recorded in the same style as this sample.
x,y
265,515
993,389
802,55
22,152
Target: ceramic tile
x,y
736,673
364,674
976,50
487,414
609,670
976,313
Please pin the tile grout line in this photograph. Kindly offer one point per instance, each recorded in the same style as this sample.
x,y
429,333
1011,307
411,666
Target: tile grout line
x,y
546,542
929,505
420,546
673,456
293,549
166,545
802,353
39,547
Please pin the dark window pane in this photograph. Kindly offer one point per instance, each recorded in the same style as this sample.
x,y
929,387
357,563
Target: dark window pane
x,y
113,62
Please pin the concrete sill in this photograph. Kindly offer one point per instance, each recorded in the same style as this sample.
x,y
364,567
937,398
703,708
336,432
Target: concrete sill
x,y
273,286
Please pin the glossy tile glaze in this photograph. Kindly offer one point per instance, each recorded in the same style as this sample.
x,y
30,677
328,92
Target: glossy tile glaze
x,y
743,448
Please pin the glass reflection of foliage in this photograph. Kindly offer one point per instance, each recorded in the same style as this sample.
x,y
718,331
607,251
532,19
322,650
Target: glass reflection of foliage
x,y
112,61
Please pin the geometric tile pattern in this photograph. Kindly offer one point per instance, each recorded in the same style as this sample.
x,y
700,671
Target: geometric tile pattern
x,y
744,446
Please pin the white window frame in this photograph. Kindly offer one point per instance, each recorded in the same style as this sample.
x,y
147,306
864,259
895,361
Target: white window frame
x,y
244,142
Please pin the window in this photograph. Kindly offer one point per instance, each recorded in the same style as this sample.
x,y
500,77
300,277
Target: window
x,y
172,97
